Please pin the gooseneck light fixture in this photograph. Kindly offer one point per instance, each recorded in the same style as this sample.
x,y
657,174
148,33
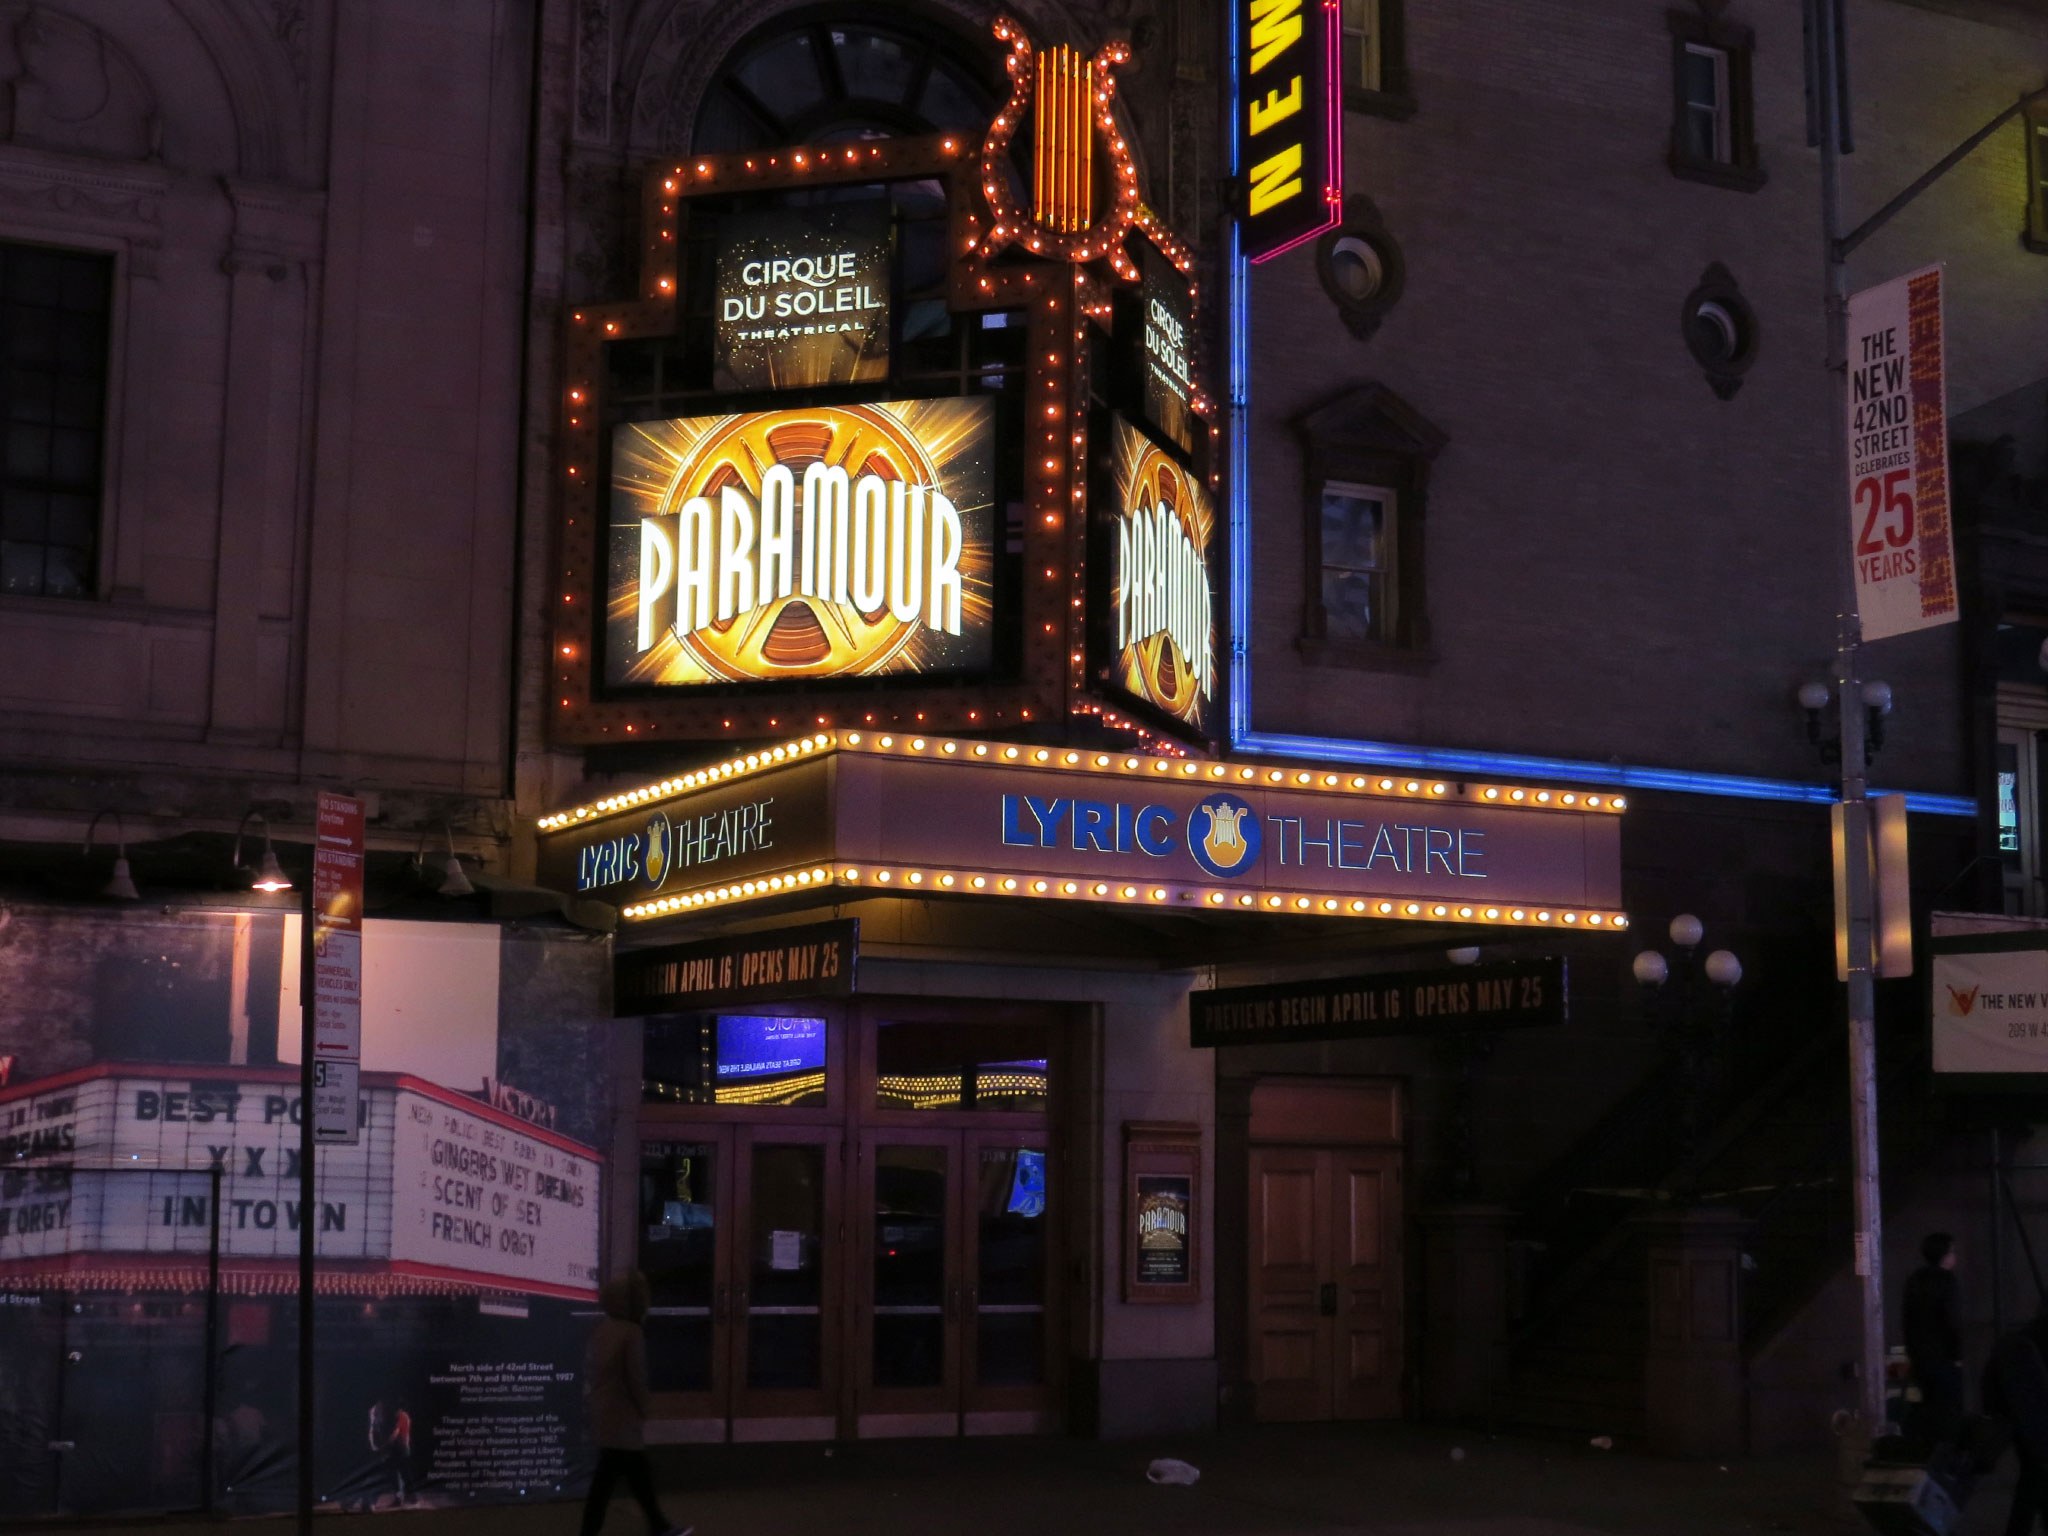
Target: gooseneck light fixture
x,y
268,874
120,884
454,882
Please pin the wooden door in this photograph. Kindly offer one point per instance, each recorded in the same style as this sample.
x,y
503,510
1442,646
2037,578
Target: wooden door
x,y
1366,1268
1326,1276
1290,1336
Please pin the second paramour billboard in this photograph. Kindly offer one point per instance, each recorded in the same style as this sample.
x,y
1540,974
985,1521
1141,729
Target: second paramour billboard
x,y
808,543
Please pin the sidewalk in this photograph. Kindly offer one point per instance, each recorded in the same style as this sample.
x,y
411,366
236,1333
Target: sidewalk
x,y
1318,1480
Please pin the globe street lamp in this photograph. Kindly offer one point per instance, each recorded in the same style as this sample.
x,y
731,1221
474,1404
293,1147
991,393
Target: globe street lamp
x,y
1695,999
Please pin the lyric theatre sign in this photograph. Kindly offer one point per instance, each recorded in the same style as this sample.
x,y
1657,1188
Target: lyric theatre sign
x,y
437,1184
888,814
815,542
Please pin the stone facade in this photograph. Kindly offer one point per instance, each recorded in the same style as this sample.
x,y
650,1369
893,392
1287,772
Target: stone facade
x,y
307,547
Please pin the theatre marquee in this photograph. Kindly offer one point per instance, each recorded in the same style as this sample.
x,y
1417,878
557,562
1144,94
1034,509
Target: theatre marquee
x,y
842,814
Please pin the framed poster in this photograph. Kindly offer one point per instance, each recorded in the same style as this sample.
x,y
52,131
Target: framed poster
x,y
1162,1211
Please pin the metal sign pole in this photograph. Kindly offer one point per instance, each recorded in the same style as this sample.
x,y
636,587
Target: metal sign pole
x,y
306,1213
1855,874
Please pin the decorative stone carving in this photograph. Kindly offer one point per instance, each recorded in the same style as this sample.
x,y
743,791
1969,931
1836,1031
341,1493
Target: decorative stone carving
x,y
600,212
77,196
276,231
593,72
291,27
66,85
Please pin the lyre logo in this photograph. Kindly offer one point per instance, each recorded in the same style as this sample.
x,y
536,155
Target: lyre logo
x,y
1223,836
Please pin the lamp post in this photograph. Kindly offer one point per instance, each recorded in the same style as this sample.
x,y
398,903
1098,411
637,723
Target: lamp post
x,y
1828,130
1696,995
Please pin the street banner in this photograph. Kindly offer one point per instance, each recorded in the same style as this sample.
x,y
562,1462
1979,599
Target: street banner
x,y
1899,525
337,962
1990,1009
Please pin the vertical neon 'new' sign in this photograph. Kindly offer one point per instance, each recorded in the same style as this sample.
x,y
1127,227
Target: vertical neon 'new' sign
x,y
1290,123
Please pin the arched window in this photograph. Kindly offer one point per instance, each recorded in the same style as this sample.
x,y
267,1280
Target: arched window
x,y
818,77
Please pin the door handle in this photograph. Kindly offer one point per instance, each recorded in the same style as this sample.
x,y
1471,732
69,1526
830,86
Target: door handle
x,y
720,1297
1326,1300
952,1302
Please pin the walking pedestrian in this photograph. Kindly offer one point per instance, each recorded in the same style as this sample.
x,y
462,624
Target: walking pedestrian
x,y
2016,1392
1934,1343
615,1388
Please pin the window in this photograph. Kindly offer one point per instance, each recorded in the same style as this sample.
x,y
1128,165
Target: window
x,y
1366,460
1373,62
759,1061
54,310
2036,119
825,80
1703,92
1712,132
2019,770
946,1065
1362,44
1358,562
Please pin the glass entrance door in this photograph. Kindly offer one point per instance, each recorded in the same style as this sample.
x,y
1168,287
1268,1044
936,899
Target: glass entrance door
x,y
683,1233
733,1238
1008,1310
955,1283
786,1285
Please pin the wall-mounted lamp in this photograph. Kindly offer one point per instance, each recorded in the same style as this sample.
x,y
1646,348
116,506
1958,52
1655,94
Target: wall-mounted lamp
x,y
453,881
1814,698
1467,954
120,885
268,875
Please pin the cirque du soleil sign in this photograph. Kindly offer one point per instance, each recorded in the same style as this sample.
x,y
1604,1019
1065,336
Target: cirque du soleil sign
x,y
813,543
802,296
1162,607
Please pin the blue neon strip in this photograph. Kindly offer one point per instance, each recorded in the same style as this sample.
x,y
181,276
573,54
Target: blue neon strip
x,y
1384,754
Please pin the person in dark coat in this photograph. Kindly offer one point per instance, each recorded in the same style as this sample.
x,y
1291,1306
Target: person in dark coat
x,y
2016,1393
615,1389
1934,1342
